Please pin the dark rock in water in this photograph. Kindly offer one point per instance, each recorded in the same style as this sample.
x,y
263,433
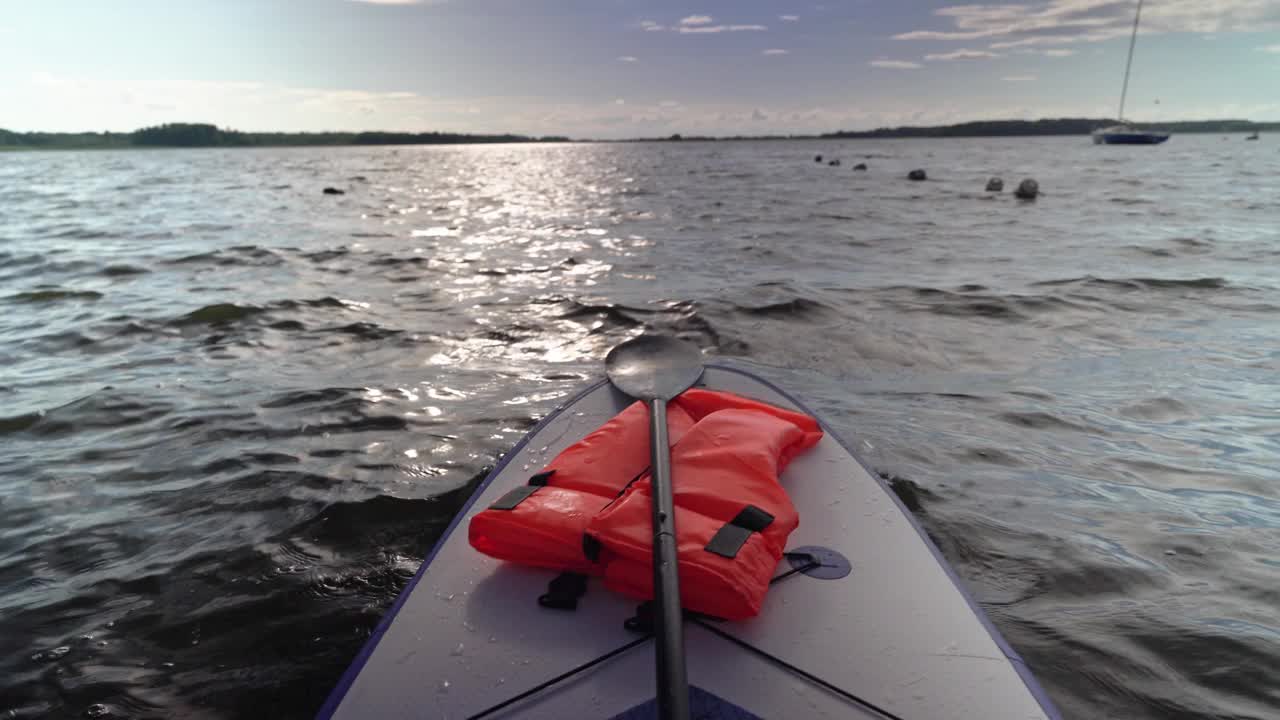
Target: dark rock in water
x,y
817,158
835,163
995,184
860,166
917,175
1027,190
334,191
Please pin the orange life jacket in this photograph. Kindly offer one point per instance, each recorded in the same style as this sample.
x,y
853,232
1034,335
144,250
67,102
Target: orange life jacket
x,y
588,511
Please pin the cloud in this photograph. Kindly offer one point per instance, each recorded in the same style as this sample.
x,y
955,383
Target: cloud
x,y
896,64
1270,48
1057,22
962,55
628,59
118,104
1060,52
789,18
774,51
72,103
1058,39
398,2
722,28
699,25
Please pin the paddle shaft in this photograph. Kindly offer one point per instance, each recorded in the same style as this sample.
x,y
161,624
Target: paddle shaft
x,y
673,682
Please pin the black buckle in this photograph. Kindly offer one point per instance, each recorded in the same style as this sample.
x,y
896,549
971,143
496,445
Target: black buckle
x,y
642,621
563,591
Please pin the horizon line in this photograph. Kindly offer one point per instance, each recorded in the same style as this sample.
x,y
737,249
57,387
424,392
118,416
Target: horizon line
x,y
1240,124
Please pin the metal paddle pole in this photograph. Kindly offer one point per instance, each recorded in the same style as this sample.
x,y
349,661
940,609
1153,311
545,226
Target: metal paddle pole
x,y
657,369
673,682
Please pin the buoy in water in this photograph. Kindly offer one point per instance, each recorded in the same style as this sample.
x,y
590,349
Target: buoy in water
x,y
917,175
860,166
334,191
817,158
835,163
1027,190
995,184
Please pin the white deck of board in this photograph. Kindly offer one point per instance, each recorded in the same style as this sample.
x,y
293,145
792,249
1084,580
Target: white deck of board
x,y
896,632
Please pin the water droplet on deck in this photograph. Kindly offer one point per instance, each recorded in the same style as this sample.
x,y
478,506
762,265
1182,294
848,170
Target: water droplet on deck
x,y
168,664
468,626
493,638
443,687
457,650
97,710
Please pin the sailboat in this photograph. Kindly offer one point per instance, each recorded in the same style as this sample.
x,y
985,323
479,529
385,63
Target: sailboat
x,y
1124,133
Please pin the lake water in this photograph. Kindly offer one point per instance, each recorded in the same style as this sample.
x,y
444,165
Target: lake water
x,y
236,412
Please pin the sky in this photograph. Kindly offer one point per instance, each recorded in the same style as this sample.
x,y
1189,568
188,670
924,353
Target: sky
x,y
625,68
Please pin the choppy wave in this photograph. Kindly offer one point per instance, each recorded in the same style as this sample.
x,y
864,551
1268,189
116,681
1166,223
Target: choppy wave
x,y
1205,283
53,295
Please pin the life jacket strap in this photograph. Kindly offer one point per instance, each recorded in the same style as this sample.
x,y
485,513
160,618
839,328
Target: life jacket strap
x,y
730,538
591,547
520,494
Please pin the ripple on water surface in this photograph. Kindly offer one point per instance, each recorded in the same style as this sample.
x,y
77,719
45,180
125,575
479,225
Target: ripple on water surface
x,y
238,412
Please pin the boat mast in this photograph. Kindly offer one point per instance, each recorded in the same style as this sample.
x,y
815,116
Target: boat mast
x,y
1133,40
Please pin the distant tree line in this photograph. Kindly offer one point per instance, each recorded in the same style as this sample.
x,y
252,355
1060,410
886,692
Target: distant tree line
x,y
70,141
996,128
1054,126
205,135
